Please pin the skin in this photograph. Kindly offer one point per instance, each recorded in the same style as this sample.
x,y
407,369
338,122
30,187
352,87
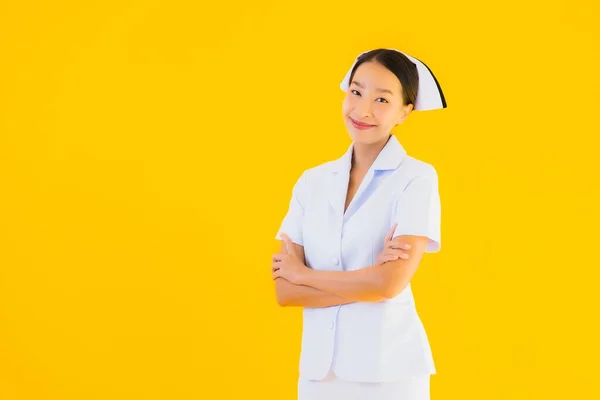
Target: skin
x,y
291,293
374,97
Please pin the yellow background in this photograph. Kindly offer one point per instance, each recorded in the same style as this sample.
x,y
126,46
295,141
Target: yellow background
x,y
147,154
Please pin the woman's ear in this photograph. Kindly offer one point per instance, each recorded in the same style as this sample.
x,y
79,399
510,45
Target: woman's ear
x,y
406,110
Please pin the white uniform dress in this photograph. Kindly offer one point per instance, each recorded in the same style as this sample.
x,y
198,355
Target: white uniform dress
x,y
364,350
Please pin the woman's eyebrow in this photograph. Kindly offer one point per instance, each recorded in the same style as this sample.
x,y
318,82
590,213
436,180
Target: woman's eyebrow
x,y
378,89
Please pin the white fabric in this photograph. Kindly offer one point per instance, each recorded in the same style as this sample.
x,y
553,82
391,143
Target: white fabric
x,y
333,388
429,96
367,342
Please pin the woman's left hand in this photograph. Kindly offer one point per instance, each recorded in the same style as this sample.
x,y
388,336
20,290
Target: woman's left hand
x,y
288,265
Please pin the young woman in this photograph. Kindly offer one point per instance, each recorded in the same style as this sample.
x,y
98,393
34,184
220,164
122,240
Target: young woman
x,y
353,237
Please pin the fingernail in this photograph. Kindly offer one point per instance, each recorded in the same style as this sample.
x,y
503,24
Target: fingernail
x,y
405,256
407,246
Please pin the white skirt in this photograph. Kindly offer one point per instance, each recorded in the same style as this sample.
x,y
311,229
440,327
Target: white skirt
x,y
333,388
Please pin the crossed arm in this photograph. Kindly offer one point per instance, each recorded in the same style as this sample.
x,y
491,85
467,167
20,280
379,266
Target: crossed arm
x,y
300,286
292,295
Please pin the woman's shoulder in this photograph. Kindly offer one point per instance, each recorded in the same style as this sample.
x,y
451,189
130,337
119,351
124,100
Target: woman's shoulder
x,y
323,170
314,176
415,167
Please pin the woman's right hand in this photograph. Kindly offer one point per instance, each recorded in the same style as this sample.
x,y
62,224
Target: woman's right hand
x,y
393,249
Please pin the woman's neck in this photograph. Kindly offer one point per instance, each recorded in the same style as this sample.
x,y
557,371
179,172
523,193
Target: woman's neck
x,y
364,155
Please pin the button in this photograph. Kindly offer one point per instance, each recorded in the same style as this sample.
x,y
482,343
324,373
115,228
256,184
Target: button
x,y
331,325
334,260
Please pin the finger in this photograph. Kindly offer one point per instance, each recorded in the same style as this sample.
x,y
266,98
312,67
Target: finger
x,y
397,253
393,254
386,258
285,238
279,257
275,267
398,244
386,255
289,245
388,237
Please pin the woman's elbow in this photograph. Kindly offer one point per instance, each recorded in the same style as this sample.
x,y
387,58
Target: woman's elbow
x,y
282,300
282,293
395,277
393,286
392,291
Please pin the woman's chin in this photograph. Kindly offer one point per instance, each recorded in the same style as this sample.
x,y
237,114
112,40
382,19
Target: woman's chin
x,y
366,137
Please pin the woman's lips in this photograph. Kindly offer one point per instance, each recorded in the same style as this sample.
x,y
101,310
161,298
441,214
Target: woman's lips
x,y
361,125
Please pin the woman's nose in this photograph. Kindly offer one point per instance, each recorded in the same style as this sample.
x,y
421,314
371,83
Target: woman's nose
x,y
363,108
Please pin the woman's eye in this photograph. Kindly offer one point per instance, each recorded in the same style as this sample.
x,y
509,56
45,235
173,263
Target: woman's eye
x,y
355,92
382,100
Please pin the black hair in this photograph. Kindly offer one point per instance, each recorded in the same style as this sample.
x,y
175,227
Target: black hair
x,y
400,65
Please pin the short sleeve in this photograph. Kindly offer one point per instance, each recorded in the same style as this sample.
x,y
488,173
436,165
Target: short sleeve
x,y
418,210
292,221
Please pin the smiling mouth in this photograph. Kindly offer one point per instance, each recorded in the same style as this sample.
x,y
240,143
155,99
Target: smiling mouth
x,y
361,125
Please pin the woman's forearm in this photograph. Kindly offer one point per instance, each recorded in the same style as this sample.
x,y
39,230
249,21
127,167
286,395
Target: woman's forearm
x,y
368,284
291,295
373,283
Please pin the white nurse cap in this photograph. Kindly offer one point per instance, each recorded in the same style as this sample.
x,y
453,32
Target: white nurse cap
x,y
429,94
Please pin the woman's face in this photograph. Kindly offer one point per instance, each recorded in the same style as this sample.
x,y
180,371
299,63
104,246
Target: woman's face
x,y
373,104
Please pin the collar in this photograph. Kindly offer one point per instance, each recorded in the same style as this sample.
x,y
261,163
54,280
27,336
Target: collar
x,y
389,158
